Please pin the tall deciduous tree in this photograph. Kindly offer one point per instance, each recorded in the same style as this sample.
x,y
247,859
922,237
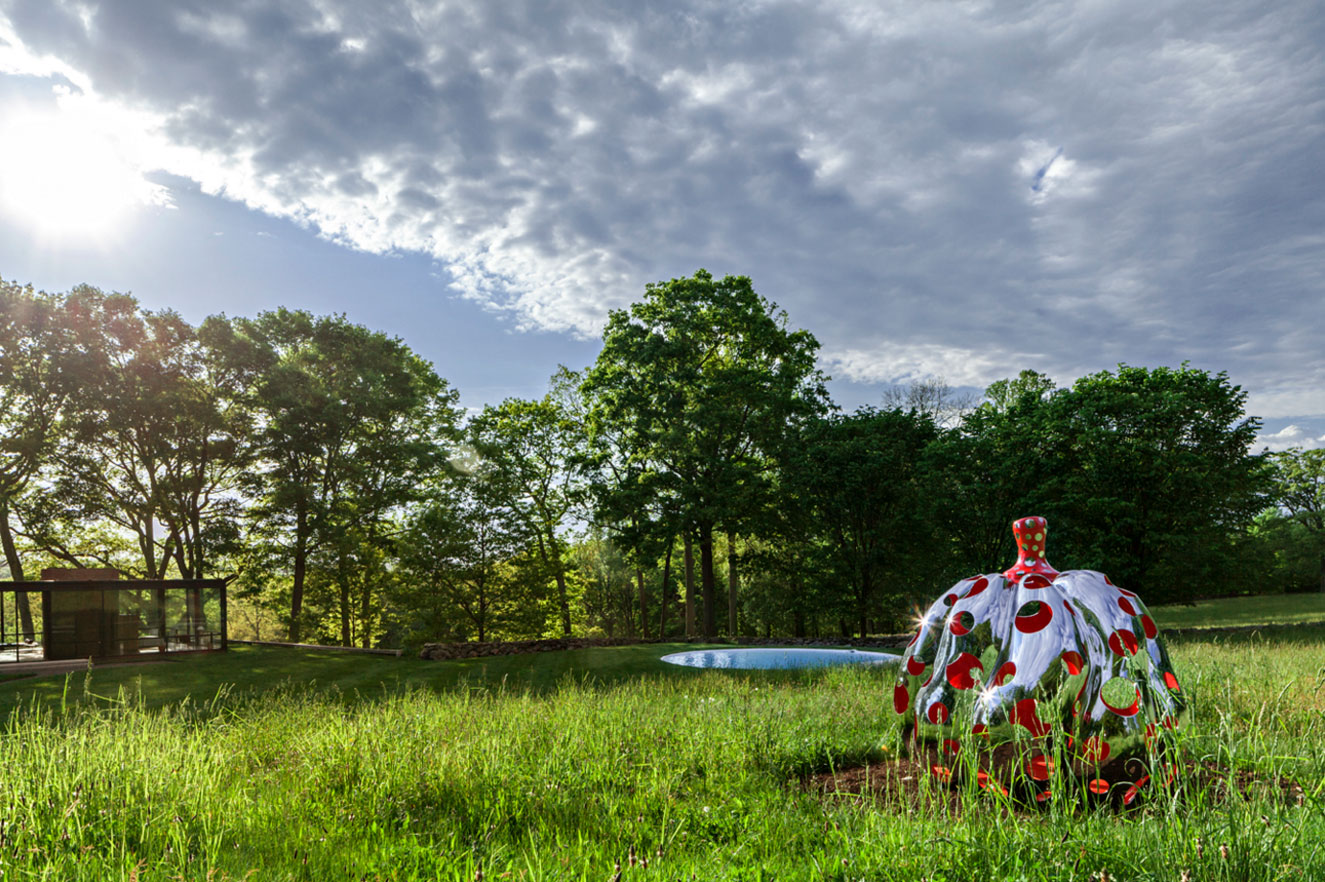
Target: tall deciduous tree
x,y
1145,474
462,550
702,381
864,479
351,422
44,366
537,446
1300,489
155,450
1158,477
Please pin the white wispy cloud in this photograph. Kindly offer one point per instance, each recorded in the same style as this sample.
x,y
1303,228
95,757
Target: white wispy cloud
x,y
934,188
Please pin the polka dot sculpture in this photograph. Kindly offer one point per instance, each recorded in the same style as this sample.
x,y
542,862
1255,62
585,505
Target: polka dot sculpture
x,y
1019,655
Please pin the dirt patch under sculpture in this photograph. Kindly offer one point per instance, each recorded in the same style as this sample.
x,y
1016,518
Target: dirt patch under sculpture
x,y
1011,782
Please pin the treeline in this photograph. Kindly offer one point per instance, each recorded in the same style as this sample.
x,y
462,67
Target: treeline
x,y
696,479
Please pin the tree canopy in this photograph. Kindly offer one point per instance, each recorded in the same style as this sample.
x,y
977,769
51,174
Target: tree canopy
x,y
329,472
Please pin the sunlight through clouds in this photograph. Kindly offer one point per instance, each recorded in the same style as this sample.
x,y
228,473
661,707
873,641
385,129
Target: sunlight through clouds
x,y
66,175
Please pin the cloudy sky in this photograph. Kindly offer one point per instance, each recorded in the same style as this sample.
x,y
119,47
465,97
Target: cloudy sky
x,y
933,189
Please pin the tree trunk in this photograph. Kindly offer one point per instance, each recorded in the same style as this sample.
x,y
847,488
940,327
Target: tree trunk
x,y
365,612
733,583
690,585
559,572
346,638
643,603
708,585
865,590
666,583
300,570
16,573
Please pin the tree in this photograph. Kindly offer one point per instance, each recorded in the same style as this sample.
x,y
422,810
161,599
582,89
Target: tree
x,y
1159,478
153,450
462,550
997,465
1299,477
43,368
864,479
932,397
537,446
351,424
701,382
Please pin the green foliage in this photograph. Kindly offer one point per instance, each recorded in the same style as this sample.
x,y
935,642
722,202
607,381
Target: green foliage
x,y
319,464
1144,474
696,388
464,551
351,425
538,448
1157,478
863,478
1296,529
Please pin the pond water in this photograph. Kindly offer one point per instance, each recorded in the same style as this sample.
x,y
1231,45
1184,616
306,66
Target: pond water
x,y
776,659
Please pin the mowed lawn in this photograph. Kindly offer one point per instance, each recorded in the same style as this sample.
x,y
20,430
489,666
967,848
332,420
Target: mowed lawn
x,y
1269,609
274,764
246,671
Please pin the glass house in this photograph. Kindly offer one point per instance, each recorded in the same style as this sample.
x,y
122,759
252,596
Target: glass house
x,y
106,618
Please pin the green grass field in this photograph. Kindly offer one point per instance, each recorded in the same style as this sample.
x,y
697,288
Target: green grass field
x,y
292,765
1283,609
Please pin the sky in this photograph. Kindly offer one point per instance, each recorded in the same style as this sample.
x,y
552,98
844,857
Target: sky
x,y
953,190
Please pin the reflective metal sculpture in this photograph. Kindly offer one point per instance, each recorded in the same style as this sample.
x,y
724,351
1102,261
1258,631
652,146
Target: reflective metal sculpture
x,y
1031,651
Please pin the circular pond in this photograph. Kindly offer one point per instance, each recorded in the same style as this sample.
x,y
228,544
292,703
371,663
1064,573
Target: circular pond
x,y
776,659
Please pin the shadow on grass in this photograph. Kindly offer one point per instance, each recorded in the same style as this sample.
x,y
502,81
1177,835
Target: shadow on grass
x,y
250,671
1303,636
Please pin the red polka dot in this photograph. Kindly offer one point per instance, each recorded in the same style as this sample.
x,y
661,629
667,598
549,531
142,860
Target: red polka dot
x,y
1073,661
915,667
1123,642
959,670
962,623
1035,581
987,782
1099,786
1148,624
901,699
1171,681
1044,796
1023,714
980,585
951,747
1126,606
1135,790
943,773
950,599
937,713
1031,619
980,730
1005,672
1040,768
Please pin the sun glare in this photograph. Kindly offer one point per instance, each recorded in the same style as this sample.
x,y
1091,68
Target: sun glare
x,y
65,179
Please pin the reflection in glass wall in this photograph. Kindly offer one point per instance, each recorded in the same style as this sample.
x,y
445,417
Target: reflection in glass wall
x,y
121,619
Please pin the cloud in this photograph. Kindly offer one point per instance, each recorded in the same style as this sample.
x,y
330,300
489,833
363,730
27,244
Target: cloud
x,y
1289,436
953,189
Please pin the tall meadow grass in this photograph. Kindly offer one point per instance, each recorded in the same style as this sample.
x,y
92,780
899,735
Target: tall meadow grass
x,y
656,778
